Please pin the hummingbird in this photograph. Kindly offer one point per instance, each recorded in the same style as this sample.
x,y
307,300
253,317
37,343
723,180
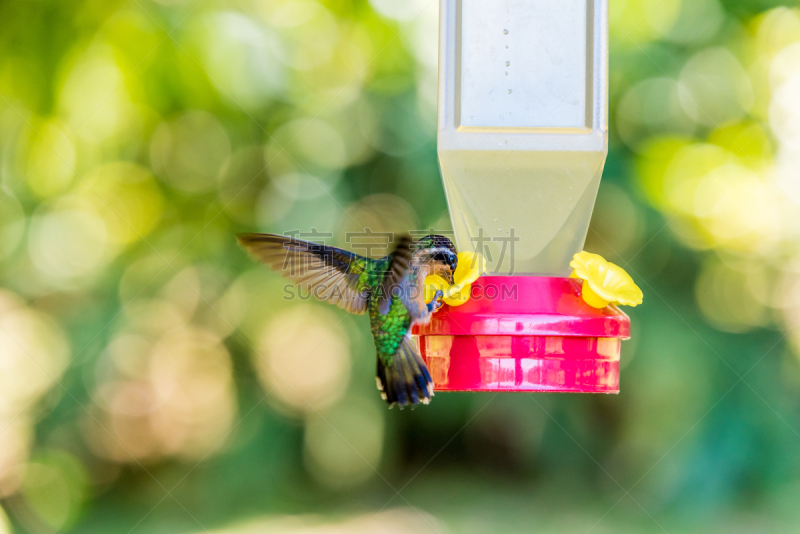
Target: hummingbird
x,y
390,290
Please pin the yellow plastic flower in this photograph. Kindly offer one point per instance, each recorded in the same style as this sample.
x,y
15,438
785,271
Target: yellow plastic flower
x,y
434,283
604,283
470,266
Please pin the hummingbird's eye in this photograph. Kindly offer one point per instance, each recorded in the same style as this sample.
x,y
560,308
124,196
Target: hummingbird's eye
x,y
446,258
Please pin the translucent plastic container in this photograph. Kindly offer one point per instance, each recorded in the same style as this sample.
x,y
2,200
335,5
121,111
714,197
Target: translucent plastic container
x,y
523,132
523,137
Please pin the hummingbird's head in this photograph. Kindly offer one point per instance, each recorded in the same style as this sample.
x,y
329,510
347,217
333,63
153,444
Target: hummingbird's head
x,y
438,252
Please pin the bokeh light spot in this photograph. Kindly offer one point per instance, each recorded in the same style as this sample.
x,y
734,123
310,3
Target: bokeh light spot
x,y
313,141
12,225
715,87
404,11
641,21
725,299
127,198
650,108
698,21
190,152
237,54
51,159
55,487
343,445
67,243
182,402
303,359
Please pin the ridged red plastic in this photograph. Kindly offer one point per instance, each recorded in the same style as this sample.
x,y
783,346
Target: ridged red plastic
x,y
525,333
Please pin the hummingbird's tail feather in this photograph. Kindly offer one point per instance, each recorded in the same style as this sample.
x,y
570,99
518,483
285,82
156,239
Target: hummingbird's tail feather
x,y
407,380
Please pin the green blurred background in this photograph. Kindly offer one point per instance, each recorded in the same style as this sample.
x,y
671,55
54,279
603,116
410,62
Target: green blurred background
x,y
154,379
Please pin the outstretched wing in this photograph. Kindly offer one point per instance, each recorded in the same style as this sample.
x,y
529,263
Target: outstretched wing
x,y
329,273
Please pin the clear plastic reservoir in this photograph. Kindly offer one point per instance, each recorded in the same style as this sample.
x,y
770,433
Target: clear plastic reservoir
x,y
523,135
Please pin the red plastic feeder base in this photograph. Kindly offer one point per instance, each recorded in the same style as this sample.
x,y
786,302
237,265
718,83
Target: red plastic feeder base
x,y
525,333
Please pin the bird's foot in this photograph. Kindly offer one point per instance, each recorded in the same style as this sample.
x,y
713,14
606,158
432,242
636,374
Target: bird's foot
x,y
436,303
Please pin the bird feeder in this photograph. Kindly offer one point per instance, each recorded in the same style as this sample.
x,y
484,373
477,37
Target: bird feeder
x,y
522,140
